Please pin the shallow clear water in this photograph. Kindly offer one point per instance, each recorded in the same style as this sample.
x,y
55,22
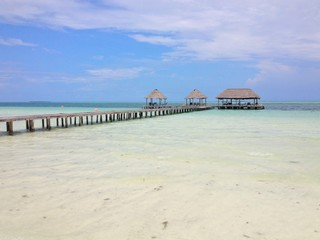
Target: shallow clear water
x,y
201,175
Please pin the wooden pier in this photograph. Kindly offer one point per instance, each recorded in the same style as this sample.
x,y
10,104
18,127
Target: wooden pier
x,y
65,120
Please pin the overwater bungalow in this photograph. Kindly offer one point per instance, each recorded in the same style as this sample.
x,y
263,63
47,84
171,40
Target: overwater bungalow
x,y
239,98
196,98
155,99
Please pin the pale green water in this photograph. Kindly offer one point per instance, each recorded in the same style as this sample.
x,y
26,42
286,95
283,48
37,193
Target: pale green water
x,y
209,175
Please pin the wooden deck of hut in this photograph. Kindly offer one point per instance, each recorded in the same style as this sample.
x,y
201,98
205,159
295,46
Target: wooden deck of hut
x,y
196,98
239,98
156,99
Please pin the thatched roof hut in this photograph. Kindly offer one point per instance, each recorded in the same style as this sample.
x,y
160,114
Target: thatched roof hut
x,y
155,94
239,98
238,93
196,94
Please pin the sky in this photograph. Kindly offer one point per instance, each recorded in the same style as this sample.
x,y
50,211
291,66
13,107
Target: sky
x,y
120,50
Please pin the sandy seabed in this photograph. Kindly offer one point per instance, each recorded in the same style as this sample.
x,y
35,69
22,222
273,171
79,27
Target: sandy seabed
x,y
91,184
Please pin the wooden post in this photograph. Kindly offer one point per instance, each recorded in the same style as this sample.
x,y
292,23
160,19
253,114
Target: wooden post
x,y
67,122
27,124
62,122
31,125
80,120
48,124
43,126
57,122
10,128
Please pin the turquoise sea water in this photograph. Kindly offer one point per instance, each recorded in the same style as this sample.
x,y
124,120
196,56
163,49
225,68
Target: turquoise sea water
x,y
203,175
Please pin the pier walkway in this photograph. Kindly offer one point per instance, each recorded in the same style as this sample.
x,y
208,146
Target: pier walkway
x,y
64,120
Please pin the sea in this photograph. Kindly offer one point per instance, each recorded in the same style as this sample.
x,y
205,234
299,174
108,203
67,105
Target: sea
x,y
215,174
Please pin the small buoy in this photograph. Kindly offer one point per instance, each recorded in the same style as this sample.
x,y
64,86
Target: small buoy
x,y
96,109
62,106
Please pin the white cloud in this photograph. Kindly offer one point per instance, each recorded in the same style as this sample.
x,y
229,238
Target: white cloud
x,y
159,40
15,42
268,70
51,51
283,81
203,29
98,57
11,73
115,74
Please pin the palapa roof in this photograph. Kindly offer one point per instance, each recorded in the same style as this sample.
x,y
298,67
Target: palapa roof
x,y
238,93
196,94
156,94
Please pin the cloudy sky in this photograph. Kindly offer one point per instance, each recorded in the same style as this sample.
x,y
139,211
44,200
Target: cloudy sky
x,y
120,50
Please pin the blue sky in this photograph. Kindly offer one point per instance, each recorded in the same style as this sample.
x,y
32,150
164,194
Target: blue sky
x,y
120,50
